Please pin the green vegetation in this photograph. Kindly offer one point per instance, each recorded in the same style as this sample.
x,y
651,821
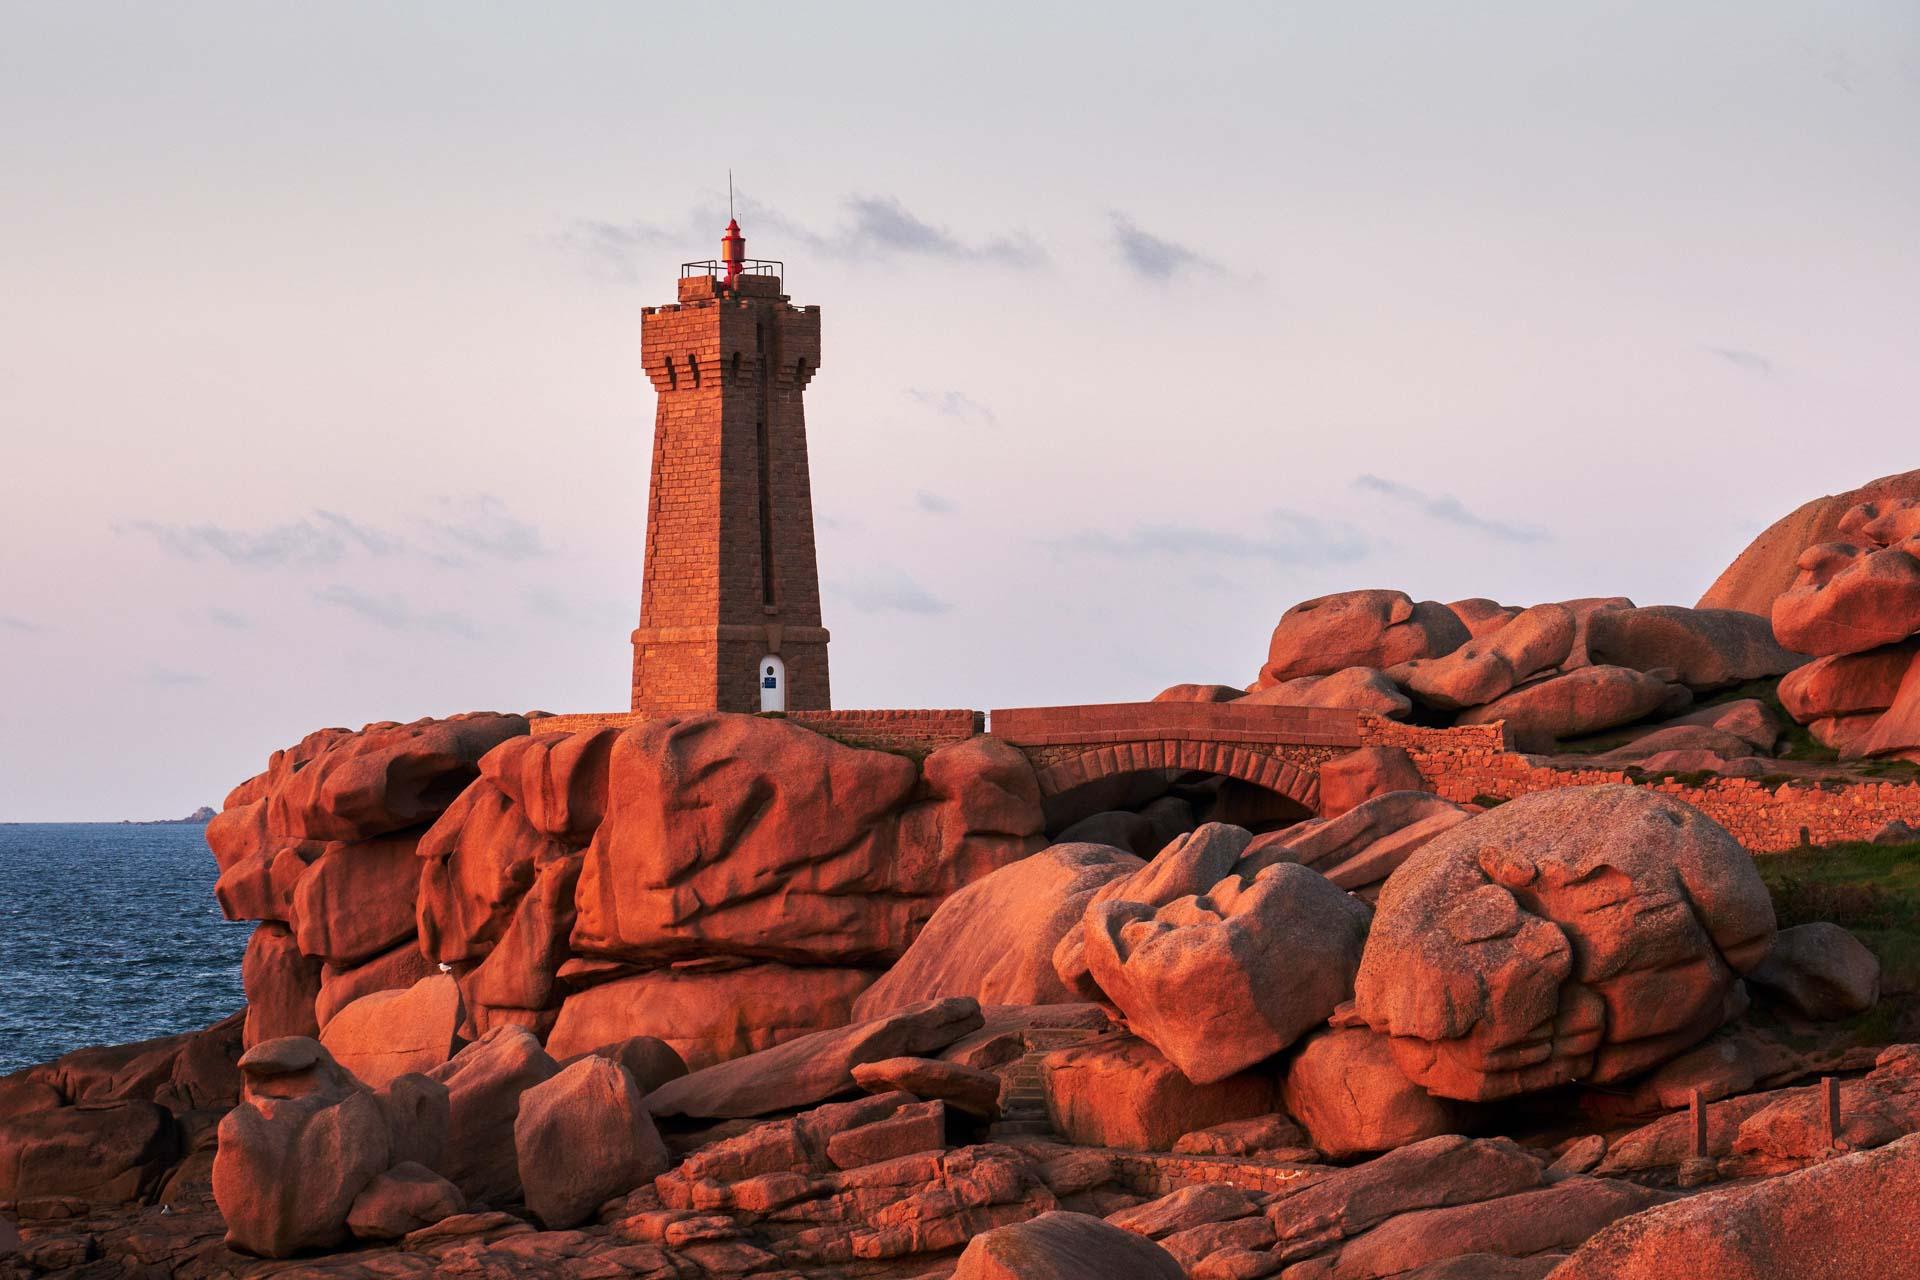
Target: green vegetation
x,y
1871,890
1486,801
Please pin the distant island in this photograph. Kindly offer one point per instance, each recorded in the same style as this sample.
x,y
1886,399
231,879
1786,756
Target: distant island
x,y
199,817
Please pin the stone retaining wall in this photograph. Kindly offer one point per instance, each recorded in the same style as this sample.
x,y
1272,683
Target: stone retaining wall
x,y
1153,1173
1473,761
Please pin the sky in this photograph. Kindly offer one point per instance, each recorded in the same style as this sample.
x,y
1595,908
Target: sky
x,y
321,401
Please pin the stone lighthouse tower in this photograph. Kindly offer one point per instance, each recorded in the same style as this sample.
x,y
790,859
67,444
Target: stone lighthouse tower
x,y
730,605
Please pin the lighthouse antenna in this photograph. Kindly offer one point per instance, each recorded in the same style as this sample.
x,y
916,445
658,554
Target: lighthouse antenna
x,y
729,194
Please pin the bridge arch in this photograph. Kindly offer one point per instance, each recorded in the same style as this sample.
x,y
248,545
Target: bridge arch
x,y
1277,749
1297,782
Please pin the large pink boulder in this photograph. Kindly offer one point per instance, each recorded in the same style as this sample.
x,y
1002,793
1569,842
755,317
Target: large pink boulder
x,y
356,900
709,1016
1847,684
1362,847
1120,1091
1377,629
737,835
1347,1092
1850,599
479,860
1349,689
558,781
281,986
1481,616
386,778
1350,780
1845,1219
395,970
402,1200
994,939
297,1152
1572,705
1225,979
1581,934
1769,565
813,1068
393,1033
1820,971
1897,731
582,1138
1705,648
1064,1246
485,1082
1481,670
103,1152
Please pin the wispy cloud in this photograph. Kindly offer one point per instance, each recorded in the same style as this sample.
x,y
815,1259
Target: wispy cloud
x,y
870,227
1751,361
170,678
932,503
1448,510
10,622
393,612
881,224
952,404
888,591
229,619
610,250
482,526
459,531
1287,538
323,538
1155,257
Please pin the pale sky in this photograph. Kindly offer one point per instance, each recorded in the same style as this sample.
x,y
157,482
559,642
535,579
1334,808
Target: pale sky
x,y
321,399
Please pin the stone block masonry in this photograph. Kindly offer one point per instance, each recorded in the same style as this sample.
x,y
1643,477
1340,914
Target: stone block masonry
x,y
1470,762
730,571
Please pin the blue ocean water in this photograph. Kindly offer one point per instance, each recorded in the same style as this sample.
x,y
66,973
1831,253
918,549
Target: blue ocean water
x,y
109,933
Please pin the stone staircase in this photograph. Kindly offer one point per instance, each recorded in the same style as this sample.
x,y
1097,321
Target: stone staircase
x,y
1023,1096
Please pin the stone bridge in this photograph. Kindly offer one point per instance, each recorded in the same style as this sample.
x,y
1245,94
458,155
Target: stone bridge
x,y
1278,748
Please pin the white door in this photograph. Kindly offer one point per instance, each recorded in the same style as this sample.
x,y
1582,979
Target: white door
x,y
773,684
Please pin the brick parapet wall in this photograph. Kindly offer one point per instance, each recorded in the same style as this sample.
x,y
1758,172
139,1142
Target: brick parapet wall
x,y
911,730
1176,721
1473,761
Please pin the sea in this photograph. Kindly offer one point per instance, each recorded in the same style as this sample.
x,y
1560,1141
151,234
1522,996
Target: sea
x,y
109,933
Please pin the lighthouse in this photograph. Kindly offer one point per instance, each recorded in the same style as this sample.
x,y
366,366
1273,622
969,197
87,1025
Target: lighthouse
x,y
730,596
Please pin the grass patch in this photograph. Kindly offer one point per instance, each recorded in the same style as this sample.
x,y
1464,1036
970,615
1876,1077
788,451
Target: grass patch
x,y
1486,801
1871,890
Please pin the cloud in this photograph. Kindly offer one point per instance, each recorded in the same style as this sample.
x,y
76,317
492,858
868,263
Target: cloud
x,y
459,531
952,404
480,526
229,619
889,592
168,677
393,612
881,224
9,622
870,227
1152,257
1449,510
1751,361
1289,538
932,503
324,538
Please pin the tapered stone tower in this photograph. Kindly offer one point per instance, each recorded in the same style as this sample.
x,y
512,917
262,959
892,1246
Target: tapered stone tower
x,y
730,604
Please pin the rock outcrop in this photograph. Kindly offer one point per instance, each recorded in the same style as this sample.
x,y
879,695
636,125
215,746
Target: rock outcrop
x,y
1582,934
1223,979
1377,629
1767,567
